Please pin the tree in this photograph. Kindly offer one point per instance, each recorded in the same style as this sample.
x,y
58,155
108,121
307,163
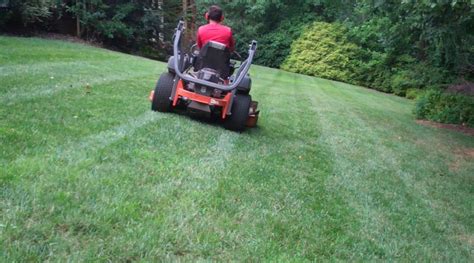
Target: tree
x,y
31,11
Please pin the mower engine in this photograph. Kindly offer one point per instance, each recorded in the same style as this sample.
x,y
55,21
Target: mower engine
x,y
210,75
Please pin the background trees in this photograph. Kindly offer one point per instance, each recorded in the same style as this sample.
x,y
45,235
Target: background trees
x,y
143,26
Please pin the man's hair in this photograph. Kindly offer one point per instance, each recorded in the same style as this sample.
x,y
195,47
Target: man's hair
x,y
215,13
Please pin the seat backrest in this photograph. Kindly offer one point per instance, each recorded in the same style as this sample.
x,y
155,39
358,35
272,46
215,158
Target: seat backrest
x,y
216,56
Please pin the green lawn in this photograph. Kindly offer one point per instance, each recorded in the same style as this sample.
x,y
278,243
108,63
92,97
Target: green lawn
x,y
332,171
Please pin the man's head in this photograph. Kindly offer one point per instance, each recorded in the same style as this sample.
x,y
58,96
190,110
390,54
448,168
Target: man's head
x,y
215,14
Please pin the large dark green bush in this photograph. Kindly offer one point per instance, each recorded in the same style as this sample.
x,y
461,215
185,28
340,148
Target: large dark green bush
x,y
276,45
417,76
398,75
323,50
443,107
372,70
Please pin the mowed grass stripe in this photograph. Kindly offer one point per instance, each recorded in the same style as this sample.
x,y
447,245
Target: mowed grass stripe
x,y
352,171
118,90
169,203
270,184
74,153
95,196
47,122
36,75
48,90
17,53
38,68
88,146
372,200
41,81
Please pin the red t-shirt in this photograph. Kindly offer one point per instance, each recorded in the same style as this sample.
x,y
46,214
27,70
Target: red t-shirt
x,y
215,32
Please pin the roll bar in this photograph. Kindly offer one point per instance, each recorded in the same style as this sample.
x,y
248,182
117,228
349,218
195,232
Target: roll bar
x,y
244,68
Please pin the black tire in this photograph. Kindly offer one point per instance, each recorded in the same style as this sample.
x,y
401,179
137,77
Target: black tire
x,y
239,113
161,98
245,85
171,65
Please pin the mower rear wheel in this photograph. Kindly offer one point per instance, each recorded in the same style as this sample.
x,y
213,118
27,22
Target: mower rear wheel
x,y
161,98
239,113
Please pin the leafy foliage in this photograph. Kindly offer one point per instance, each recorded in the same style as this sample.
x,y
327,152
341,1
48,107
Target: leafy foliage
x,y
446,108
438,34
324,51
27,12
275,24
125,25
276,45
413,94
378,71
132,26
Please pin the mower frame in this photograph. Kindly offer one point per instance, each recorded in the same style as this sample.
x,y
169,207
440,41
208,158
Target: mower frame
x,y
241,73
228,96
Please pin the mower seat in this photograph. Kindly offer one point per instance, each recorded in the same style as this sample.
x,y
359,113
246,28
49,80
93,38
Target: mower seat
x,y
215,56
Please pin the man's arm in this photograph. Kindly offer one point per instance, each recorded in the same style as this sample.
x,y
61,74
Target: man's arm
x,y
232,42
198,40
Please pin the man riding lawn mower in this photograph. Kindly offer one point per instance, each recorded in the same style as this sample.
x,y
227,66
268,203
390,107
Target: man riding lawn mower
x,y
202,82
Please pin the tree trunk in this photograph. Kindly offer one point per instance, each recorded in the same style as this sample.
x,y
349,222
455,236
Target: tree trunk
x,y
161,36
189,16
193,19
78,21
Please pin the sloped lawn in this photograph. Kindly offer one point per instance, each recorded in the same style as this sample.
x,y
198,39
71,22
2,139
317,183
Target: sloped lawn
x,y
88,172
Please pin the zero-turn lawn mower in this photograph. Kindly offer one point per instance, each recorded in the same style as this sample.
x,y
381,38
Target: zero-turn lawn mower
x,y
202,83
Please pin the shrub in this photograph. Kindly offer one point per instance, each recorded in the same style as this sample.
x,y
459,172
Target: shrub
x,y
414,94
276,45
419,75
443,107
372,70
396,75
324,51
